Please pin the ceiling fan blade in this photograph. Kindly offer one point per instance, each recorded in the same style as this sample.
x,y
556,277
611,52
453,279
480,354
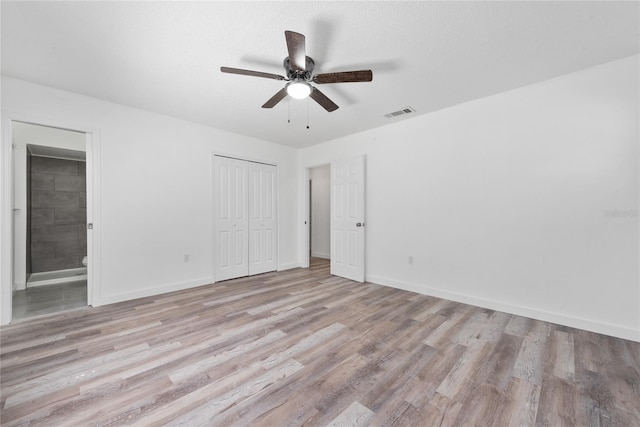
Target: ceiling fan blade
x,y
297,51
251,73
344,77
279,96
322,99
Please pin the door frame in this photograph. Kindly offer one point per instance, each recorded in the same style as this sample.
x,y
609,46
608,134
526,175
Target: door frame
x,y
307,222
305,253
92,146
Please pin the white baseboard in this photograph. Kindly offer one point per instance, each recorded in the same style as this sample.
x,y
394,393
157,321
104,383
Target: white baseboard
x,y
57,281
21,286
531,312
288,266
56,277
143,293
319,255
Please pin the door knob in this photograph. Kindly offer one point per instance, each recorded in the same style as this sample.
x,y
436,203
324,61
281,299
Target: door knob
x,y
360,224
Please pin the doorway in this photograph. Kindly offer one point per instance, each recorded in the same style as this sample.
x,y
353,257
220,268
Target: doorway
x,y
50,216
319,212
346,239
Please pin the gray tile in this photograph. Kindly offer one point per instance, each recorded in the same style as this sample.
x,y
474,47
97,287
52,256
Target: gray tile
x,y
41,216
70,183
70,249
40,181
19,297
54,166
70,215
66,199
44,297
54,233
42,199
50,299
54,264
42,250
82,169
82,231
82,200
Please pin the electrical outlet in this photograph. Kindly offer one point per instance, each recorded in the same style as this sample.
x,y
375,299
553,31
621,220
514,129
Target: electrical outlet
x,y
187,257
410,260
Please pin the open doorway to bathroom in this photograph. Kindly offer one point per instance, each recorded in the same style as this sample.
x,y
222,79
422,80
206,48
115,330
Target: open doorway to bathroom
x,y
50,217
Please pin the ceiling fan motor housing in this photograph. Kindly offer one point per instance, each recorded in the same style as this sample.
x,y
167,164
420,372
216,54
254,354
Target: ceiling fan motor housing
x,y
296,75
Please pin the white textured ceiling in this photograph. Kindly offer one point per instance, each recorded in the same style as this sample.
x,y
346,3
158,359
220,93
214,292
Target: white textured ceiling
x,y
165,56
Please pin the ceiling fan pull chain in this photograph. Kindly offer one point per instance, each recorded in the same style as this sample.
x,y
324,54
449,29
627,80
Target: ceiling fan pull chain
x,y
307,113
288,111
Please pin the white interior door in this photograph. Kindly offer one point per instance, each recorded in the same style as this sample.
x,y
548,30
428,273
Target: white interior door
x,y
231,219
347,218
262,218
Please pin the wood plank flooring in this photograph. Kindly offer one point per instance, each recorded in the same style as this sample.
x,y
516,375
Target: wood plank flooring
x,y
302,347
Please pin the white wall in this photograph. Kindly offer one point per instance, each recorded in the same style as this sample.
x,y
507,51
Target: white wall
x,y
155,189
23,134
505,202
526,201
320,214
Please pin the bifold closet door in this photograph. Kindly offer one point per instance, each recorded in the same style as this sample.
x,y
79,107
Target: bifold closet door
x,y
262,218
245,218
231,218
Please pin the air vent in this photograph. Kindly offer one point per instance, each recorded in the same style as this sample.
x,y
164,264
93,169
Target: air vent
x,y
404,111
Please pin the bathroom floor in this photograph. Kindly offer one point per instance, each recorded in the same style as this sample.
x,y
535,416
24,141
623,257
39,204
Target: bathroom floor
x,y
39,300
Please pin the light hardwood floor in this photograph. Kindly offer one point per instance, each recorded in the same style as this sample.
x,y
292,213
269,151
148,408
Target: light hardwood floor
x,y
302,347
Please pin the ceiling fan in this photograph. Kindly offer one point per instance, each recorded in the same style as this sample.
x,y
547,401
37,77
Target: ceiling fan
x,y
299,71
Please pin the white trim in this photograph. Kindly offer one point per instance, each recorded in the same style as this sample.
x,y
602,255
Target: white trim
x,y
531,312
319,255
278,217
64,276
244,158
305,214
58,281
289,266
6,223
143,293
212,205
303,254
94,209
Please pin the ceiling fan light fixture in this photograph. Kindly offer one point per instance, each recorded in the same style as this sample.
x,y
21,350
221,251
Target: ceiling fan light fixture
x,y
298,90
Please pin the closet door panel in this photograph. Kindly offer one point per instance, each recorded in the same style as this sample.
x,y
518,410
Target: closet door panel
x,y
262,225
231,221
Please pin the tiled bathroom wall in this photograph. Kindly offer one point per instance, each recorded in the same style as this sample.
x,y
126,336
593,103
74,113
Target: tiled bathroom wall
x,y
58,214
